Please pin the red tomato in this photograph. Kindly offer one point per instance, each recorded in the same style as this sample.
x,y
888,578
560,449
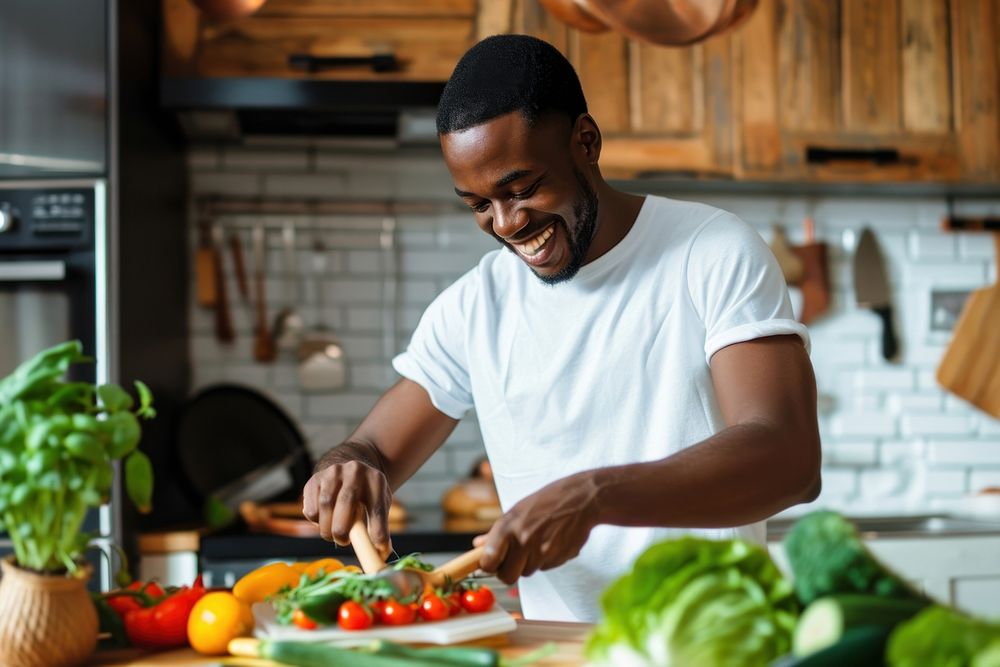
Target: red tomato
x,y
354,616
477,600
397,613
433,608
454,600
300,619
152,589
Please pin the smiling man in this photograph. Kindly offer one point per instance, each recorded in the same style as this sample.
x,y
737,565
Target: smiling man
x,y
633,361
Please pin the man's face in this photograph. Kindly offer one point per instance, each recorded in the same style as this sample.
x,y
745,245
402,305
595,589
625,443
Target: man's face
x,y
526,190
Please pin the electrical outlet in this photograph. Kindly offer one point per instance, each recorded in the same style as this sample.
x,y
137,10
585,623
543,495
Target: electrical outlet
x,y
946,306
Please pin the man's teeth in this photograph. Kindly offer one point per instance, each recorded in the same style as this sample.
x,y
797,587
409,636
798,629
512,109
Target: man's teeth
x,y
531,246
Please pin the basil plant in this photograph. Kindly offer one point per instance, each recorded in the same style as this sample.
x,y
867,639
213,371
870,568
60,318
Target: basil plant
x,y
58,443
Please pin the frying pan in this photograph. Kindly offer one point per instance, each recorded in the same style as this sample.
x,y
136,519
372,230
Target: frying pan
x,y
229,437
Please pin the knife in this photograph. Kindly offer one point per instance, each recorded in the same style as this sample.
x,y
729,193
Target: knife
x,y
871,288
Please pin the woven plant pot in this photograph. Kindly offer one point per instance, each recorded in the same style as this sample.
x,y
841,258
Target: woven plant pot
x,y
45,620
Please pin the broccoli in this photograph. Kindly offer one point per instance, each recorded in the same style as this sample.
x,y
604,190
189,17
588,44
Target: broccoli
x,y
827,556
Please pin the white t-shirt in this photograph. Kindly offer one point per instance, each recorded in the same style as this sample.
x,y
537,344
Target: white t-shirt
x,y
609,368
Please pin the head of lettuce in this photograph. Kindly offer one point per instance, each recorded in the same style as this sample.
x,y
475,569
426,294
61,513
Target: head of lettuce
x,y
694,602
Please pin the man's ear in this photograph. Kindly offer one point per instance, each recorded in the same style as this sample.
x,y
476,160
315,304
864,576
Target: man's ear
x,y
587,138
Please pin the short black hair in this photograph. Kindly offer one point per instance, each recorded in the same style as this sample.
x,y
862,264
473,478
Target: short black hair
x,y
506,73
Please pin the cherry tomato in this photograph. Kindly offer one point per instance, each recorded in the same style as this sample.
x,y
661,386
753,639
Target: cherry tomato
x,y
152,589
126,603
454,600
300,619
433,608
397,613
477,600
354,616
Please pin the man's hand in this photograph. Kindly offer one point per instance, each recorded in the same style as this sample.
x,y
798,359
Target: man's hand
x,y
349,480
542,531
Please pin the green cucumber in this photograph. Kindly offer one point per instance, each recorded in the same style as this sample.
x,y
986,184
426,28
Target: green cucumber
x,y
825,621
458,656
860,646
308,654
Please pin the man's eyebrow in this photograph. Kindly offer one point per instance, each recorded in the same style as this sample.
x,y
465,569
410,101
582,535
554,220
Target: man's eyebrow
x,y
506,179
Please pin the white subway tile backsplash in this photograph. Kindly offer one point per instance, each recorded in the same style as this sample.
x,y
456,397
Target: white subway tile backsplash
x,y
935,424
964,452
864,424
930,245
891,435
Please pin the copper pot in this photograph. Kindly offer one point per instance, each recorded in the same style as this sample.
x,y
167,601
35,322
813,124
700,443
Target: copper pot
x,y
574,14
671,22
227,10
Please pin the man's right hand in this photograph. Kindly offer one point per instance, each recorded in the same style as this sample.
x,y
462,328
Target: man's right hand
x,y
344,485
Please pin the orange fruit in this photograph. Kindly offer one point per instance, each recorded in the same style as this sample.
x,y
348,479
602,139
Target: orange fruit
x,y
215,619
264,581
328,565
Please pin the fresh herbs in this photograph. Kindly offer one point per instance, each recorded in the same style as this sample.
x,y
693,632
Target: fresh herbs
x,y
58,440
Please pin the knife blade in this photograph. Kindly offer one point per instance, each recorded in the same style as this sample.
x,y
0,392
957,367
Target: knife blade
x,y
871,288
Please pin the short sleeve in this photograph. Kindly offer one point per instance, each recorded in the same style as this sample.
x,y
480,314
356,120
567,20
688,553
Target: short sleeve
x,y
436,357
737,287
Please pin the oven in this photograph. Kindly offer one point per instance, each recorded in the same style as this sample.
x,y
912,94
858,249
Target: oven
x,y
54,287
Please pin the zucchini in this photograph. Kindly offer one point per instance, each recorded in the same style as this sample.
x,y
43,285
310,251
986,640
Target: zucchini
x,y
826,620
308,654
860,646
458,656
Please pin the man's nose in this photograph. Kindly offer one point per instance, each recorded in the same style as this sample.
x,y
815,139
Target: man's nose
x,y
509,220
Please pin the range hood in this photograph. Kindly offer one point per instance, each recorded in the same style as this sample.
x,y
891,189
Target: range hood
x,y
236,108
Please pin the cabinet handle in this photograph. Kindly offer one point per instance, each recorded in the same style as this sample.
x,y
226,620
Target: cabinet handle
x,y
821,155
379,62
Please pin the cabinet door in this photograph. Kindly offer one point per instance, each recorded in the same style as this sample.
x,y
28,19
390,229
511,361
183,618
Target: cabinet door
x,y
427,38
868,90
661,110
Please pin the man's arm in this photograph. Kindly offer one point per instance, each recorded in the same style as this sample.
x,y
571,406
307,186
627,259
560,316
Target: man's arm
x,y
394,440
766,459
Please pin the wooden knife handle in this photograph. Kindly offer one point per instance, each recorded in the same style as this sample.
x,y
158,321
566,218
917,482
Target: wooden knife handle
x,y
369,557
236,248
458,568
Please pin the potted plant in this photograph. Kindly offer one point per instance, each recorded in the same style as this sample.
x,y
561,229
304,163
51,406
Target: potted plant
x,y
58,443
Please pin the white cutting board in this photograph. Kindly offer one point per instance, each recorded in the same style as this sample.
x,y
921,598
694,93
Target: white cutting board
x,y
461,628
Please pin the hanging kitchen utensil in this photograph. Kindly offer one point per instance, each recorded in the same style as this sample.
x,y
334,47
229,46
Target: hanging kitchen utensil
x,y
322,366
224,332
871,289
263,343
228,10
791,265
815,281
236,248
670,22
409,581
574,14
970,367
204,267
288,324
232,444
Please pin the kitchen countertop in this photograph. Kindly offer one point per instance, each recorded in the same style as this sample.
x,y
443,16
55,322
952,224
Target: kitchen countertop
x,y
530,635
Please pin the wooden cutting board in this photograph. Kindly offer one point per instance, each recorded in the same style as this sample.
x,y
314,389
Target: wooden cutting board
x,y
970,367
462,628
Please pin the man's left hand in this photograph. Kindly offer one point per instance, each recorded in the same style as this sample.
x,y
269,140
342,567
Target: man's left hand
x,y
544,530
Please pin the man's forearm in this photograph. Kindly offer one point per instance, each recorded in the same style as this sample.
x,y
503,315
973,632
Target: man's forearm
x,y
743,474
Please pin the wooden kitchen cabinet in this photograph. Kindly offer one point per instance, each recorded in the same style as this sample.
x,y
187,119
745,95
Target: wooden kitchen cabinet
x,y
426,37
868,90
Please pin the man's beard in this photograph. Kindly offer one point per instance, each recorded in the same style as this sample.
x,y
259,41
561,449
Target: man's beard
x,y
580,236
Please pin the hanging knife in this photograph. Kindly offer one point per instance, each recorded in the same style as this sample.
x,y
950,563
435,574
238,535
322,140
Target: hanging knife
x,y
871,288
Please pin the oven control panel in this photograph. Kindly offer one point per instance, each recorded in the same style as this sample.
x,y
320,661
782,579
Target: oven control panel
x,y
47,218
